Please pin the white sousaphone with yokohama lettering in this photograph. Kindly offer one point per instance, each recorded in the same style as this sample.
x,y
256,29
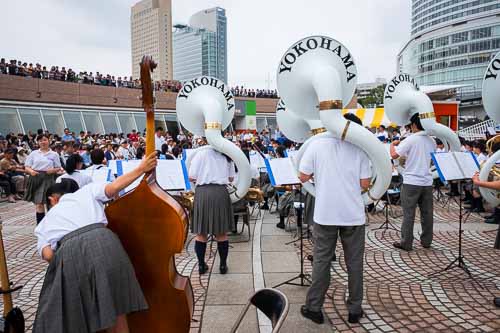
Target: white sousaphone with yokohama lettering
x,y
205,107
298,130
316,78
402,99
491,102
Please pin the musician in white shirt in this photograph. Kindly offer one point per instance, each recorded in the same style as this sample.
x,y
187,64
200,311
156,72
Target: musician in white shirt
x,y
159,139
74,164
212,212
90,276
339,210
417,184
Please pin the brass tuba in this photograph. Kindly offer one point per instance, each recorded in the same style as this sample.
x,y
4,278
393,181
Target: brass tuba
x,y
491,102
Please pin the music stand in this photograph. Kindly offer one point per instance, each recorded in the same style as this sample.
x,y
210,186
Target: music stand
x,y
302,276
282,172
387,223
459,261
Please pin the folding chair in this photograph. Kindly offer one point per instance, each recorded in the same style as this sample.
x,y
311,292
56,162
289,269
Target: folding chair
x,y
272,302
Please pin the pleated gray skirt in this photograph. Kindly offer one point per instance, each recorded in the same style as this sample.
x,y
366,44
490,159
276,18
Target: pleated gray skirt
x,y
37,186
213,211
89,282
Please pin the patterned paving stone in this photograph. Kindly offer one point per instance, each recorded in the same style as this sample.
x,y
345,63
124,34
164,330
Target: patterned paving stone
x,y
27,269
402,295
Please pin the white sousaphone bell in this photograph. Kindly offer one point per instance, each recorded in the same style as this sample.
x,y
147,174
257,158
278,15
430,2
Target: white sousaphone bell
x,y
298,130
491,102
316,78
403,99
205,107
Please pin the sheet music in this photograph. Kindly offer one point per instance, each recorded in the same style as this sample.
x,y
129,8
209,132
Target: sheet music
x,y
186,153
169,174
456,165
257,160
284,171
112,166
128,166
98,175
468,164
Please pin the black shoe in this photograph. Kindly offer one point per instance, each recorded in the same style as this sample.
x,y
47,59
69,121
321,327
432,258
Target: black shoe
x,y
478,210
265,207
317,317
452,194
280,225
223,269
398,245
202,269
334,258
496,301
355,317
426,246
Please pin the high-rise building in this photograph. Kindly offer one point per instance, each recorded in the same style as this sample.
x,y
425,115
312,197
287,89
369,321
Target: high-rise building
x,y
151,27
200,48
452,42
195,52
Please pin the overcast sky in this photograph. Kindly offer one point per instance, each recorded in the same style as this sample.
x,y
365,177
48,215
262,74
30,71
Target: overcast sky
x,y
94,35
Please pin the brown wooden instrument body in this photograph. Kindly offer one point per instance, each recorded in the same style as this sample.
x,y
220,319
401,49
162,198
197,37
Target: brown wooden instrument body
x,y
152,227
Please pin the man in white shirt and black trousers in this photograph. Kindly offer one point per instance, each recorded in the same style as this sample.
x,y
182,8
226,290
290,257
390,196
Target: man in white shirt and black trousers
x,y
417,184
341,171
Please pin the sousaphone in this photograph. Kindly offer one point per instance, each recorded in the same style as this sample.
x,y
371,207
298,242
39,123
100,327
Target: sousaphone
x,y
298,130
316,78
403,99
205,107
491,102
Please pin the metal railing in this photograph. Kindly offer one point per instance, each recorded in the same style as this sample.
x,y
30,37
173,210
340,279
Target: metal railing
x,y
477,131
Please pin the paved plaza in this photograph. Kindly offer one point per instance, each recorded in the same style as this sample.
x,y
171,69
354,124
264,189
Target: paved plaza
x,y
400,293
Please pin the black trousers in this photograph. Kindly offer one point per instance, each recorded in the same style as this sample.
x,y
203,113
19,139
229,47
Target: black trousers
x,y
8,185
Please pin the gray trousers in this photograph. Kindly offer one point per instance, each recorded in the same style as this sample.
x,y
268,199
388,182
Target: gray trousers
x,y
353,243
411,196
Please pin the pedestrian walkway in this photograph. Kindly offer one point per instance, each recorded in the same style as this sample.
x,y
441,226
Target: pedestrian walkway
x,y
400,296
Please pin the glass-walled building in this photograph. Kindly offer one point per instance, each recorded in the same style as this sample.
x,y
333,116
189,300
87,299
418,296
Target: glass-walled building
x,y
19,118
195,53
452,42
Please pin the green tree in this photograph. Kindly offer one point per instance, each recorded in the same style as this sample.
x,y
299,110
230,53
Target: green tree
x,y
375,97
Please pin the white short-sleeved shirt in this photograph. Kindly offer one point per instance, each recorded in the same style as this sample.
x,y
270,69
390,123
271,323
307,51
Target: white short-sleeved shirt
x,y
159,141
80,178
211,167
99,172
417,149
124,152
481,158
40,161
338,167
74,211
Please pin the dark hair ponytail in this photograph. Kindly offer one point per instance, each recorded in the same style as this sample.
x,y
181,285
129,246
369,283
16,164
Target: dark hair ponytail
x,y
72,162
66,185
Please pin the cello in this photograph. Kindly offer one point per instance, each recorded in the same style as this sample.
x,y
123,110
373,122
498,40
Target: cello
x,y
152,227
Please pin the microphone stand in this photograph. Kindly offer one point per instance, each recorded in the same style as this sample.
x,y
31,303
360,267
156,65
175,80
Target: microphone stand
x,y
302,276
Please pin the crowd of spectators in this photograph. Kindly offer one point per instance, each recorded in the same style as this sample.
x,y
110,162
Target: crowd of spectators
x,y
37,71
17,147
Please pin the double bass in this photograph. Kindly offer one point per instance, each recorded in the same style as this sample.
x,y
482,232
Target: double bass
x,y
152,227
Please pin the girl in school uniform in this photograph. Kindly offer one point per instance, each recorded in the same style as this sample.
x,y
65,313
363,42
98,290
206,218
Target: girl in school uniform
x,y
42,165
211,171
74,164
90,284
